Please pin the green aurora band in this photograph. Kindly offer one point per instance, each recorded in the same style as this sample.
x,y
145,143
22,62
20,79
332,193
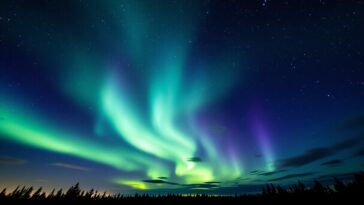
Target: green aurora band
x,y
158,146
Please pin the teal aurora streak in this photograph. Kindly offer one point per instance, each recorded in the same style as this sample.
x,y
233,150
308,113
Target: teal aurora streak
x,y
148,117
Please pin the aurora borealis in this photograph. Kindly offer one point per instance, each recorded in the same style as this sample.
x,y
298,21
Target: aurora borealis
x,y
180,96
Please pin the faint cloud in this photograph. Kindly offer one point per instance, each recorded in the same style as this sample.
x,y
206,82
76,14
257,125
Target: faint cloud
x,y
242,179
70,166
206,185
306,158
212,182
201,186
289,176
332,162
195,159
255,172
154,181
11,161
158,181
316,154
347,143
341,176
353,123
360,152
272,173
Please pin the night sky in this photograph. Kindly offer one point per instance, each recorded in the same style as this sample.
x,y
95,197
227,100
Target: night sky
x,y
164,96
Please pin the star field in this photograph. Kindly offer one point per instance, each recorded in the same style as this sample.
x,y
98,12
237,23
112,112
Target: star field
x,y
180,96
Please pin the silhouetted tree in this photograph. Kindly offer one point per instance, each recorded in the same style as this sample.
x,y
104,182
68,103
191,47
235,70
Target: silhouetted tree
x,y
14,194
90,193
280,190
339,185
318,188
103,195
59,194
3,193
37,194
27,193
273,189
51,195
264,191
73,192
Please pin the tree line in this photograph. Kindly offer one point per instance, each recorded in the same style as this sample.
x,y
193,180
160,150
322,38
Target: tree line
x,y
337,190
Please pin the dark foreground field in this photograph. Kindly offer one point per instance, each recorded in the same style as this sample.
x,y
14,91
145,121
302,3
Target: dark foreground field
x,y
349,192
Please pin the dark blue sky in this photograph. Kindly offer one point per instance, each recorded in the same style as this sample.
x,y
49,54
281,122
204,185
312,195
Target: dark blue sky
x,y
180,96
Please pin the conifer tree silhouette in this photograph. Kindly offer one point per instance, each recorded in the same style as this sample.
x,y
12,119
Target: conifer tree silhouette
x,y
73,192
